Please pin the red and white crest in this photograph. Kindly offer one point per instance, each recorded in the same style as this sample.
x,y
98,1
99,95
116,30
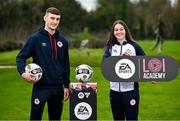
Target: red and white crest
x,y
59,44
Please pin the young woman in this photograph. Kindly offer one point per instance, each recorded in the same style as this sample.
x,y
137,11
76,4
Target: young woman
x,y
124,96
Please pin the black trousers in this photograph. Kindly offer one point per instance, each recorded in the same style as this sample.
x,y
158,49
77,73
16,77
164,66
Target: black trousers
x,y
124,105
54,98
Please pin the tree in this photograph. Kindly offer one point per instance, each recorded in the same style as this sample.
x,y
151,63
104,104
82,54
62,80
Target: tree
x,y
108,12
73,15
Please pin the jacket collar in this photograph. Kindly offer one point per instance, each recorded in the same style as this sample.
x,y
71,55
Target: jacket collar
x,y
44,32
125,42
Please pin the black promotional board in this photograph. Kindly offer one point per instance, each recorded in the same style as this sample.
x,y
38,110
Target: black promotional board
x,y
140,68
83,101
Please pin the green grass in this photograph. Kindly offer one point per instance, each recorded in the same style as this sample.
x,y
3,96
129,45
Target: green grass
x,y
171,48
160,101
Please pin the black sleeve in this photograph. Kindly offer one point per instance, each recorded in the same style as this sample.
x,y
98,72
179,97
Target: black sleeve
x,y
139,50
106,53
23,55
67,68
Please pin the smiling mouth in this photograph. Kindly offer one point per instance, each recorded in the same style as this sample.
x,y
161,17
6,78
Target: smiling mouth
x,y
53,25
119,35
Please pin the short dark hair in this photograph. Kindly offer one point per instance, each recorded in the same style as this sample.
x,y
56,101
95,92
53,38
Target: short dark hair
x,y
53,10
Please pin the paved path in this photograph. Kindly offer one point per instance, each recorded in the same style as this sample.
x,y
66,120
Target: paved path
x,y
10,66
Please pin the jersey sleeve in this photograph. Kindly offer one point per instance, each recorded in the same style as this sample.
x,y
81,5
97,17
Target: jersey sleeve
x,y
106,53
25,53
66,80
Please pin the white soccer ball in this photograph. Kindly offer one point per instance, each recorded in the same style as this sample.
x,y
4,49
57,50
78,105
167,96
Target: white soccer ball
x,y
84,73
34,69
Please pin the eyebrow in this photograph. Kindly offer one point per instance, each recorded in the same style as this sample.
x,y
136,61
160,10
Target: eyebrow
x,y
119,28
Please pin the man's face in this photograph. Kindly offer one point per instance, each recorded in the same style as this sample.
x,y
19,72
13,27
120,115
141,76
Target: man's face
x,y
51,21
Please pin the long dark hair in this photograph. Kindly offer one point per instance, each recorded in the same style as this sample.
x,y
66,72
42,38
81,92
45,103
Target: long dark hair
x,y
112,39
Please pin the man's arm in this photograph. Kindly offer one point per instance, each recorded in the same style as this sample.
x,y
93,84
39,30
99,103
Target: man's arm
x,y
21,58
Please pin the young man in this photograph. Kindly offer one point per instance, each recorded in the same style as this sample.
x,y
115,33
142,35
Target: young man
x,y
49,50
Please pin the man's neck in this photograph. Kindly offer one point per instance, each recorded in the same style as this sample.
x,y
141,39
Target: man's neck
x,y
50,31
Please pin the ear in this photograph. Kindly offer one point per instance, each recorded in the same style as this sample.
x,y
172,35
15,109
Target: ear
x,y
45,17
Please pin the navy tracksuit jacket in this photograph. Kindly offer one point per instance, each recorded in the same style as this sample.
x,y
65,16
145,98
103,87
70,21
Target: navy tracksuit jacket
x,y
51,53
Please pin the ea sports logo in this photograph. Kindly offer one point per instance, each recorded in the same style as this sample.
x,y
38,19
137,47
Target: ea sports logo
x,y
83,111
125,68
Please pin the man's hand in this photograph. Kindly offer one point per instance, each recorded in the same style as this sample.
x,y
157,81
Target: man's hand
x,y
66,94
28,77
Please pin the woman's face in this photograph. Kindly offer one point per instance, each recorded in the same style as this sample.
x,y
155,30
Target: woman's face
x,y
119,32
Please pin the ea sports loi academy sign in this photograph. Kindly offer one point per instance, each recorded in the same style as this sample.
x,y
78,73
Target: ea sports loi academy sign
x,y
140,68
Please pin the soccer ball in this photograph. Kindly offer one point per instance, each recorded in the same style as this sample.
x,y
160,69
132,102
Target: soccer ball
x,y
34,69
84,73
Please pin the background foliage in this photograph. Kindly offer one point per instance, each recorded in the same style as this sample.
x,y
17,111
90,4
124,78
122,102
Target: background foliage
x,y
19,18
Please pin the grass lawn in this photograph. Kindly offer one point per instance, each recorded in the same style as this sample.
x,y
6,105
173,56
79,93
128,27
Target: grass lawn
x,y
170,48
160,101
